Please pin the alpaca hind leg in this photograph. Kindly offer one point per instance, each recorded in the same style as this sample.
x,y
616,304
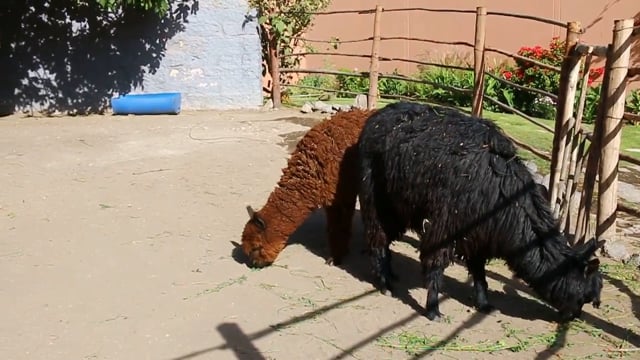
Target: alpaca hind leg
x,y
480,286
339,220
433,283
381,263
379,252
434,259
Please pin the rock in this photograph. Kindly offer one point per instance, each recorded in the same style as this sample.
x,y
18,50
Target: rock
x,y
545,181
629,192
325,97
533,168
307,108
537,178
326,109
268,105
319,105
361,101
616,250
633,260
338,107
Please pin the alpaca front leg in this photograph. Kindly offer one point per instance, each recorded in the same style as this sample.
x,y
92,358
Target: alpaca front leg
x,y
339,231
480,286
433,281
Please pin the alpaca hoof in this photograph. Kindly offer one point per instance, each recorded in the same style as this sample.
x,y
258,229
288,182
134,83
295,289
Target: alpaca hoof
x,y
485,308
384,286
333,261
386,290
434,315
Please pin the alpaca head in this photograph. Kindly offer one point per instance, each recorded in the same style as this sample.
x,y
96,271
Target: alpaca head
x,y
256,244
581,285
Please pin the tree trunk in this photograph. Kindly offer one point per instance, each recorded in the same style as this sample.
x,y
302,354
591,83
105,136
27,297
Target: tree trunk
x,y
274,69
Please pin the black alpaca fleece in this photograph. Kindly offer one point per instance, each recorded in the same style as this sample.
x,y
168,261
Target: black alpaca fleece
x,y
456,181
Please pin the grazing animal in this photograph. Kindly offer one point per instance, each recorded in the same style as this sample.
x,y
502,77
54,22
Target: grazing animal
x,y
456,181
322,172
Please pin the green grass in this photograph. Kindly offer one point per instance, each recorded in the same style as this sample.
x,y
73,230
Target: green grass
x,y
514,340
528,133
516,127
626,273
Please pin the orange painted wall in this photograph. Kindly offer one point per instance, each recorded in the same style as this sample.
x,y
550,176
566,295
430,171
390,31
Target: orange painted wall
x,y
596,16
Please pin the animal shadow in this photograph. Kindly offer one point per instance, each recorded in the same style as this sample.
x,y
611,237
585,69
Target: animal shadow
x,y
313,236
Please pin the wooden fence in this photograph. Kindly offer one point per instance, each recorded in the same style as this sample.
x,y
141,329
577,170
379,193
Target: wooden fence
x,y
570,154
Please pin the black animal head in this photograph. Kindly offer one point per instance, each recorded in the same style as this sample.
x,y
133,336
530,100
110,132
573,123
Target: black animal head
x,y
583,283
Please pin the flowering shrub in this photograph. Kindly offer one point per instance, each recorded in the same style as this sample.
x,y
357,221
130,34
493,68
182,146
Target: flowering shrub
x,y
530,74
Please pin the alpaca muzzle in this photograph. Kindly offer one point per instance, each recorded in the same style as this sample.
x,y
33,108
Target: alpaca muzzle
x,y
257,259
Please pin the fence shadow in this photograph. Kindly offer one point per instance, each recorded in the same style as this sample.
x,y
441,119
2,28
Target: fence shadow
x,y
312,235
239,342
72,56
623,288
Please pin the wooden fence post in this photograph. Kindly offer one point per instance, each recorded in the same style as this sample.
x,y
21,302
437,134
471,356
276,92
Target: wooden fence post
x,y
593,160
612,128
478,61
566,99
374,67
577,149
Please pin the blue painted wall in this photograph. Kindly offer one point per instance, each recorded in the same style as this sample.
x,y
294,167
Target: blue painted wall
x,y
73,59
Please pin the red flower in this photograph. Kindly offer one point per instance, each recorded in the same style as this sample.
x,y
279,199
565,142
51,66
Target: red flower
x,y
594,74
519,73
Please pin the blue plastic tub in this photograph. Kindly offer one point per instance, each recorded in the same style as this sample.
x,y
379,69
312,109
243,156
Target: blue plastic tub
x,y
145,104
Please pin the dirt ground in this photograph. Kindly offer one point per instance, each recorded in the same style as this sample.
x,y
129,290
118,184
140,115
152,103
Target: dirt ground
x,y
117,242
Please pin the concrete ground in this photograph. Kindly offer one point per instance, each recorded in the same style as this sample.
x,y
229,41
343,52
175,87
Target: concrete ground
x,y
117,242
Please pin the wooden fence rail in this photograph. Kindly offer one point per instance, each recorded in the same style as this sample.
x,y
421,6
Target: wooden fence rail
x,y
451,11
384,58
571,153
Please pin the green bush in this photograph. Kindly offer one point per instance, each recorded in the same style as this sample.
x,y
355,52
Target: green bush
x,y
449,77
321,81
523,73
351,83
395,87
633,102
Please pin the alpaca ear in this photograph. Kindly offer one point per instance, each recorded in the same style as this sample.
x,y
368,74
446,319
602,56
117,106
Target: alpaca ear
x,y
250,211
592,266
590,247
253,215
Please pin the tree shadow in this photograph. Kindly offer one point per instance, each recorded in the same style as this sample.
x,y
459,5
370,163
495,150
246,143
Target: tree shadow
x,y
623,288
72,56
601,15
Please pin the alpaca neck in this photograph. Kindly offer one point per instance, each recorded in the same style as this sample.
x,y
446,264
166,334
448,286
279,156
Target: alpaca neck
x,y
285,211
542,263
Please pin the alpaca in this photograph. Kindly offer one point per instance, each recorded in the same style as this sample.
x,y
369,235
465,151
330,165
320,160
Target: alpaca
x,y
456,180
322,172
